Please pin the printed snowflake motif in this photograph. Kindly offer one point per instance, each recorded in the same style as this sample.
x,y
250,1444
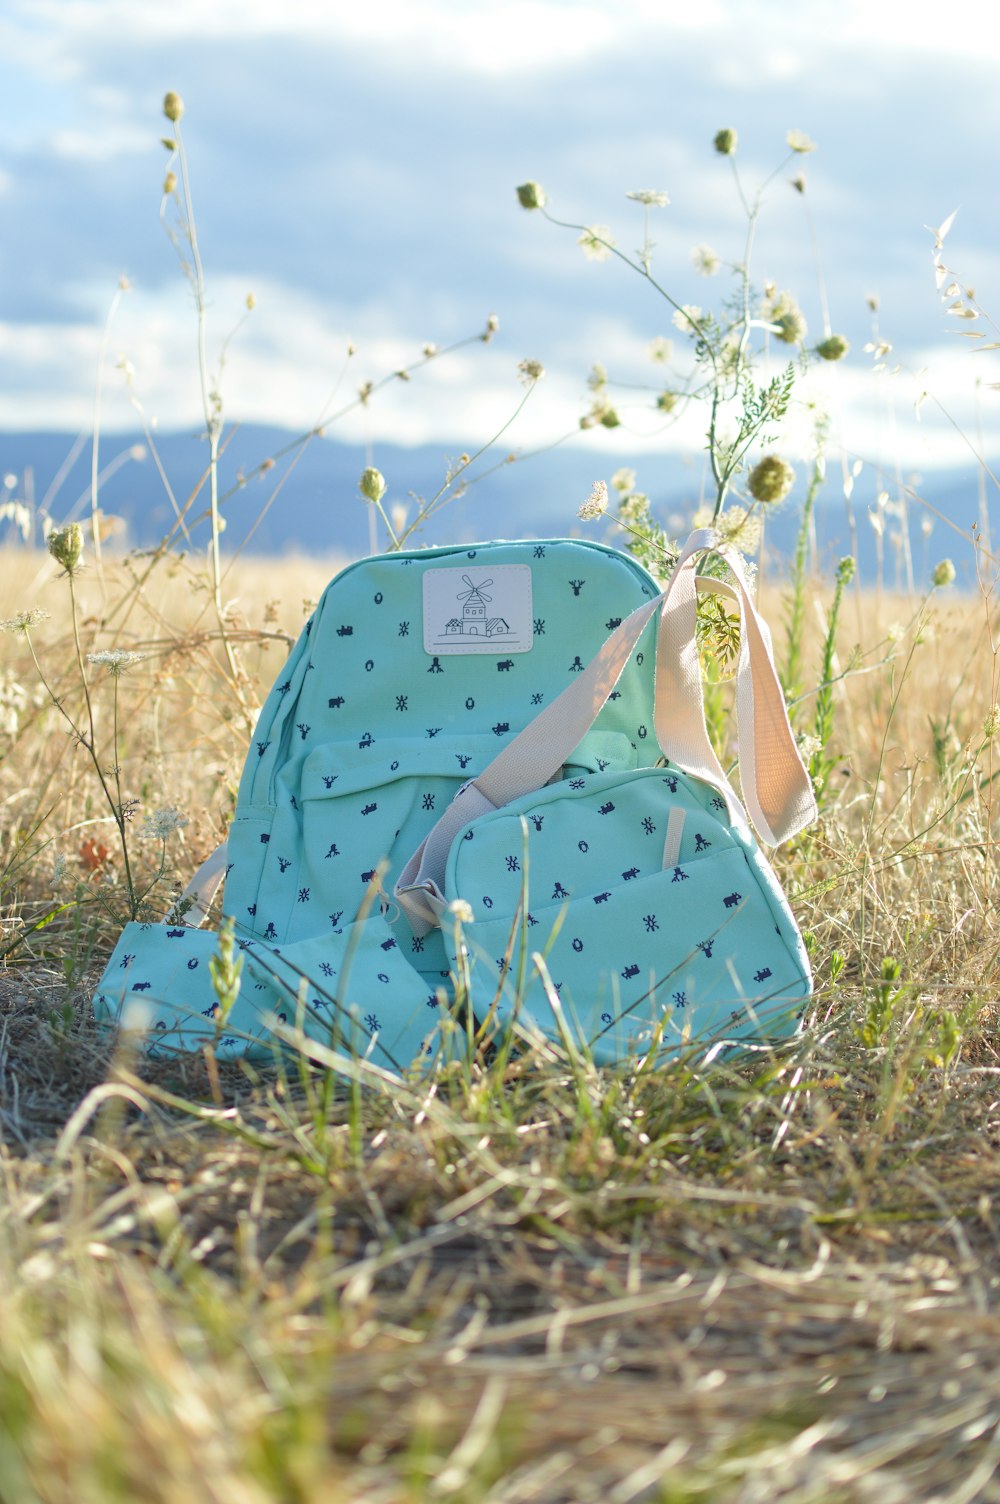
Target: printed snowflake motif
x,y
125,961
539,551
326,968
417,943
539,626
404,629
680,999
651,922
648,826
428,801
577,783
402,702
536,699
372,1023
513,865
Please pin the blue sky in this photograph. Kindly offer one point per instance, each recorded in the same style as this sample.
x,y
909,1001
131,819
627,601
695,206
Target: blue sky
x,y
354,164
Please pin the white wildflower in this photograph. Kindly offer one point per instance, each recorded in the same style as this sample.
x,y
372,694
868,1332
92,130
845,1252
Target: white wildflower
x,y
651,197
530,371
661,349
944,574
161,823
686,317
597,242
596,504
461,911
623,479
115,660
23,620
706,262
800,142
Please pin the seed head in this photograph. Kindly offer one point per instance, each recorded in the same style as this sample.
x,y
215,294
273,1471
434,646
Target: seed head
x,y
834,347
531,196
725,142
372,484
771,479
596,504
944,574
66,546
173,107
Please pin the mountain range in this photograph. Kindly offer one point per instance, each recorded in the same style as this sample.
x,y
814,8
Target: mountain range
x,y
282,494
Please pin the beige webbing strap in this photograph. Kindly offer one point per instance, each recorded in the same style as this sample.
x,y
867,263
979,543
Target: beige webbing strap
x,y
775,783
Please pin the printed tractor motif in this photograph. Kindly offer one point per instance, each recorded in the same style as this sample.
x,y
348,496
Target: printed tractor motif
x,y
474,621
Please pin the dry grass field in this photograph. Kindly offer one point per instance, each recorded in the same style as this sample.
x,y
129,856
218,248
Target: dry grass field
x,y
773,1280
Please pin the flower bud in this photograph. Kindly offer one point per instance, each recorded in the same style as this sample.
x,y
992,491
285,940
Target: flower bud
x,y
173,106
666,402
846,570
725,142
169,183
66,546
944,574
531,196
771,479
372,484
834,347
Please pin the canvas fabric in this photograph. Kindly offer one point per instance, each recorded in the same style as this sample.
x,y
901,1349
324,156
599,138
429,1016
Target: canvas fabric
x,y
364,738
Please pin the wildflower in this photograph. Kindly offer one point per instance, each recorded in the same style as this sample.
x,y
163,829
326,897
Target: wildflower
x,y
740,528
66,546
161,823
771,479
173,106
531,196
706,262
895,632
786,317
531,371
597,242
661,349
666,402
944,574
596,504
834,347
650,197
686,317
115,660
800,142
24,620
372,484
808,745
991,725
623,479
461,911
846,570
725,142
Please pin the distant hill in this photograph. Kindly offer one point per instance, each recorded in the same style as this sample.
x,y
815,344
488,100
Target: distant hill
x,y
306,500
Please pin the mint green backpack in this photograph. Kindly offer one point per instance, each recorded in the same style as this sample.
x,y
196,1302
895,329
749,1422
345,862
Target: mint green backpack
x,y
483,781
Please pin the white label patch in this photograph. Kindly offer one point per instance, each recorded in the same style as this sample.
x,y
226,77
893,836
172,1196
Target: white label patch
x,y
478,609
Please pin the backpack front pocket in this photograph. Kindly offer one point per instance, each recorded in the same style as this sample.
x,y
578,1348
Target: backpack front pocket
x,y
652,925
